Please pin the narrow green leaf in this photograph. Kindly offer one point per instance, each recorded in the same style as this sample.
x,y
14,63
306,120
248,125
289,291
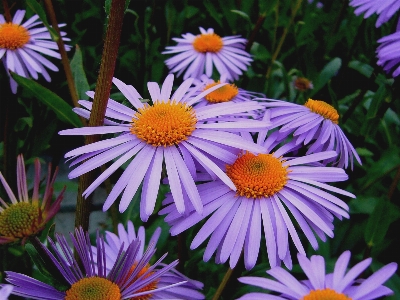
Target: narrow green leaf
x,y
378,223
364,69
81,83
242,14
327,73
62,109
37,8
213,12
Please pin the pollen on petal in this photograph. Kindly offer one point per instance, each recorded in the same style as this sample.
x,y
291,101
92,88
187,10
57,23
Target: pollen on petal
x,y
326,294
93,288
223,94
324,109
164,123
257,176
208,42
13,36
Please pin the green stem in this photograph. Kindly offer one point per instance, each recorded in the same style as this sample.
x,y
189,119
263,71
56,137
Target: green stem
x,y
223,283
393,186
63,53
283,37
102,92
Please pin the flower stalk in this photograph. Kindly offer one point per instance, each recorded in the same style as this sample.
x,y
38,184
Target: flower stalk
x,y
102,92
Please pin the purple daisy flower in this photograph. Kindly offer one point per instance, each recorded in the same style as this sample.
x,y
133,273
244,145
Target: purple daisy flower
x,y
270,191
22,46
114,243
388,53
314,123
5,291
198,54
130,276
171,130
339,285
385,9
226,93
27,216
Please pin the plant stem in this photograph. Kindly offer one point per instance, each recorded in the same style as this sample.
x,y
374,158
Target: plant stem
x,y
102,92
7,14
283,37
393,186
255,30
223,283
63,53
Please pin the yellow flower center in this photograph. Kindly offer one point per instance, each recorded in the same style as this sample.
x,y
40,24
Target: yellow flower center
x,y
151,286
223,94
324,109
325,294
257,176
209,42
93,288
13,36
19,220
164,123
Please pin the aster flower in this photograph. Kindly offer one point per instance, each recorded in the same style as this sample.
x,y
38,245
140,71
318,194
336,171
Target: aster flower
x,y
130,276
229,92
388,53
5,291
171,130
22,46
27,216
385,9
125,237
314,123
271,191
319,285
198,54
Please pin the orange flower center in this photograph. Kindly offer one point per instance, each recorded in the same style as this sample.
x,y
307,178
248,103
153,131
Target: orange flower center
x,y
164,123
257,176
151,286
223,94
19,220
209,42
325,294
93,288
324,109
13,36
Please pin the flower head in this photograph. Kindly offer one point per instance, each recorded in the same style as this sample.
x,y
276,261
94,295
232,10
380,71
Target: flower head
x,y
302,84
22,46
384,9
125,237
173,130
271,192
131,276
388,54
198,54
314,123
27,216
339,285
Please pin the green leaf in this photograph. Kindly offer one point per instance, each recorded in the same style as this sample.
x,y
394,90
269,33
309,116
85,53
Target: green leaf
x,y
327,73
378,223
81,83
242,14
37,8
62,109
213,12
364,152
364,69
